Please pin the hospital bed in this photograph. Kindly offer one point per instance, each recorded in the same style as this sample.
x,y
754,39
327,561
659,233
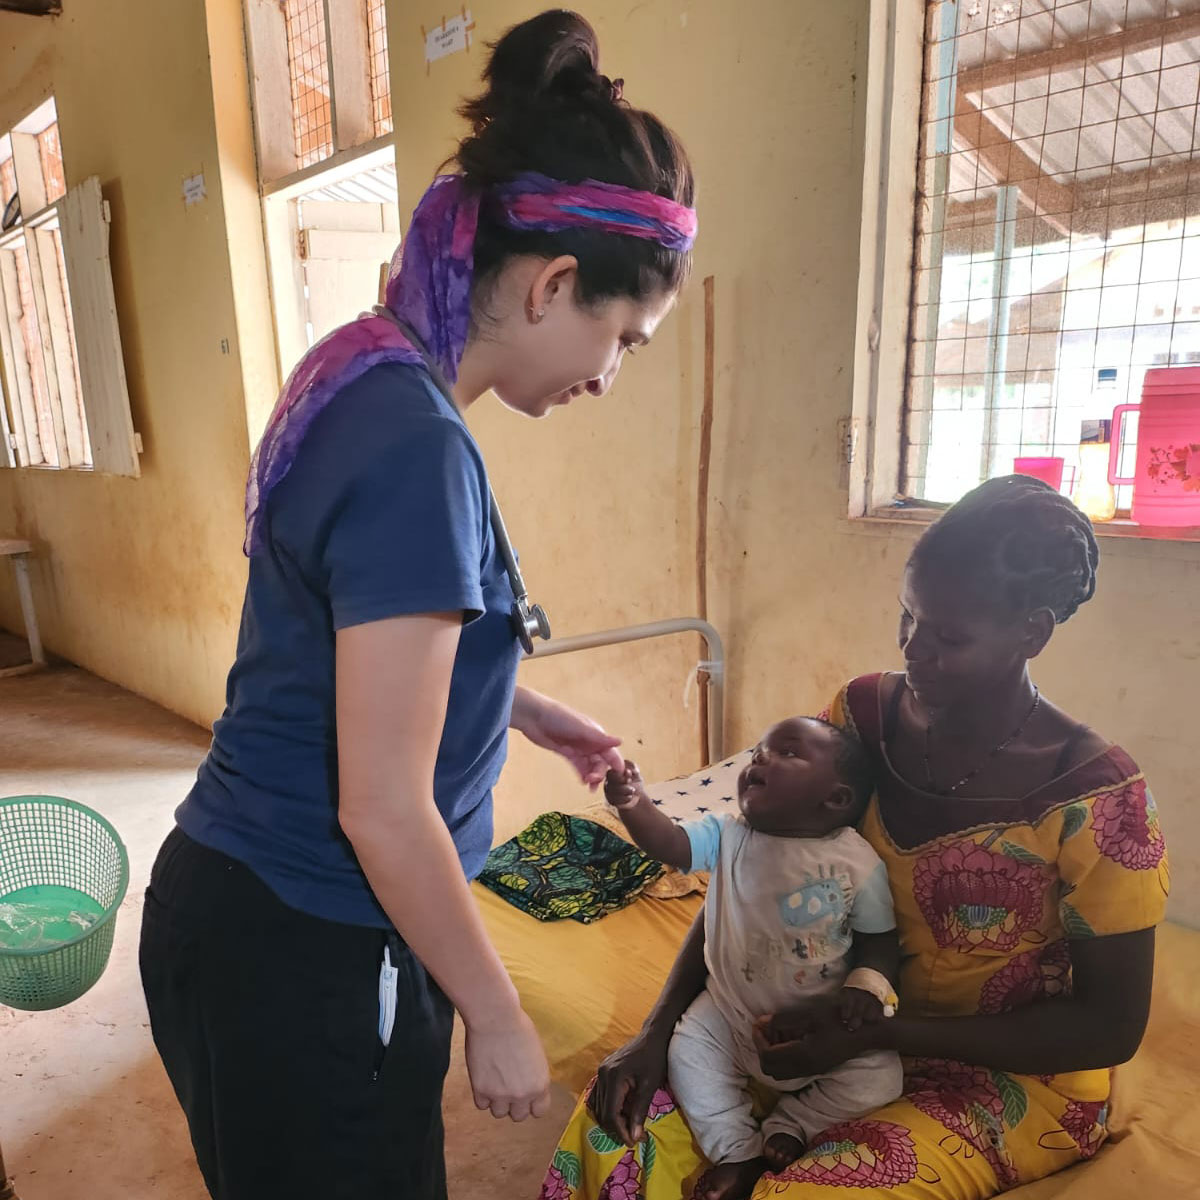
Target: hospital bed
x,y
587,988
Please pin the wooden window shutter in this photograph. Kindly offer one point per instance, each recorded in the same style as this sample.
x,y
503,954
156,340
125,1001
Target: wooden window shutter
x,y
84,218
7,455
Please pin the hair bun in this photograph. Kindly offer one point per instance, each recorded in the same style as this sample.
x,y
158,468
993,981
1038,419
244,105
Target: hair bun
x,y
547,110
555,54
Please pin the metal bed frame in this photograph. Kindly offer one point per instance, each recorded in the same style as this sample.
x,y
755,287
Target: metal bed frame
x,y
710,670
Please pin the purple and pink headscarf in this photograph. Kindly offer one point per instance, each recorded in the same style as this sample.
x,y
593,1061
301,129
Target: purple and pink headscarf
x,y
429,290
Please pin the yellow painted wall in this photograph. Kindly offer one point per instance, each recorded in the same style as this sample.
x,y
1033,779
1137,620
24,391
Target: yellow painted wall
x,y
141,580
769,100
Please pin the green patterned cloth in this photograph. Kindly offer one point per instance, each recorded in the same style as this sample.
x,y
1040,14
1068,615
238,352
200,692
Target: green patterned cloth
x,y
563,866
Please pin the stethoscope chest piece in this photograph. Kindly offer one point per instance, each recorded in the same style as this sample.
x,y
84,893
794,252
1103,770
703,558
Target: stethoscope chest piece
x,y
530,621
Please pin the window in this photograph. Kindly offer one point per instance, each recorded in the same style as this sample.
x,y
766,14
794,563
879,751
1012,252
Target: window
x,y
321,86
326,246
327,173
308,79
67,404
1055,252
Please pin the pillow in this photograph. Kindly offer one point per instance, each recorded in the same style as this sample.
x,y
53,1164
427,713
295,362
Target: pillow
x,y
711,790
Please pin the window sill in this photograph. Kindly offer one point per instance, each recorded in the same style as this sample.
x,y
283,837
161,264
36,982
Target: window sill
x,y
45,469
1122,527
332,169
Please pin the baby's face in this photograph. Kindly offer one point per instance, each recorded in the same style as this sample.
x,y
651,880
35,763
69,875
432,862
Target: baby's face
x,y
793,772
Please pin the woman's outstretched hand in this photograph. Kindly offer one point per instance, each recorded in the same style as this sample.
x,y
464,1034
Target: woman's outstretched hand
x,y
581,741
625,1086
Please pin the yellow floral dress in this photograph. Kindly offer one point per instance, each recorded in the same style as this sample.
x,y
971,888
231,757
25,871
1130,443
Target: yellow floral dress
x,y
989,895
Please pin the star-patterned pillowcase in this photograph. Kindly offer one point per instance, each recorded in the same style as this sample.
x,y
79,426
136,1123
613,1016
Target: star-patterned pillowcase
x,y
712,790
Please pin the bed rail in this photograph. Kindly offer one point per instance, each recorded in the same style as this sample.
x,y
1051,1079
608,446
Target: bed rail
x,y
710,671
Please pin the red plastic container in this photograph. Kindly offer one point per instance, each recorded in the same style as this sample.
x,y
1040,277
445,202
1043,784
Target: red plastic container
x,y
1166,476
1048,470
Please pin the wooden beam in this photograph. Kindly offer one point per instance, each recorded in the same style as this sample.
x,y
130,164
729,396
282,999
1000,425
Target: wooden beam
x,y
962,213
27,163
349,73
346,245
970,228
15,359
33,8
34,248
1141,36
58,343
1102,204
703,676
1148,183
266,35
1009,165
1129,198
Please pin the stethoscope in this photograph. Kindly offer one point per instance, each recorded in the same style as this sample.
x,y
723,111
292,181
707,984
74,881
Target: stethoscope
x,y
528,620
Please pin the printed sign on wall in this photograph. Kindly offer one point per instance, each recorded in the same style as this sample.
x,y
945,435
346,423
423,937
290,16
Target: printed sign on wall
x,y
451,36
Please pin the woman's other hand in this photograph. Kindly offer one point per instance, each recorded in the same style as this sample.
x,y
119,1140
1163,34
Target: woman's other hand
x,y
625,1086
508,1069
858,1008
581,741
790,1025
806,1042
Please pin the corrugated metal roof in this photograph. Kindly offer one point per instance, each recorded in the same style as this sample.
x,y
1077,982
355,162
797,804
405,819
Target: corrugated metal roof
x,y
1120,109
375,185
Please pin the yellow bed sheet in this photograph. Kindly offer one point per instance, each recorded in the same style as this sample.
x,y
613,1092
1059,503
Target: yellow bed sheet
x,y
1154,1150
588,987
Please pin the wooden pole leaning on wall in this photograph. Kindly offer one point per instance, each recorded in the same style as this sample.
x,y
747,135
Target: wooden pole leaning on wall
x,y
705,459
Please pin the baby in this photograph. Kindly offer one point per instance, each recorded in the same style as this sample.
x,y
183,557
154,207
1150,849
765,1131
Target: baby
x,y
798,910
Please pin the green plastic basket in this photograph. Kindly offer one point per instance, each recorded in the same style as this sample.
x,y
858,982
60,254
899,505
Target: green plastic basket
x,y
47,841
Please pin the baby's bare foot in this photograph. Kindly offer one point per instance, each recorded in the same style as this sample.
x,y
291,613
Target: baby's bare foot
x,y
732,1181
781,1150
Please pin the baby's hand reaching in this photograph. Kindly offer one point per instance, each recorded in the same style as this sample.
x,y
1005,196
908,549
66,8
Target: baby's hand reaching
x,y
858,1008
623,789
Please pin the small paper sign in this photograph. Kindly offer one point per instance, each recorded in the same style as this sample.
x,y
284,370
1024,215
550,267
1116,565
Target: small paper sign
x,y
451,36
193,190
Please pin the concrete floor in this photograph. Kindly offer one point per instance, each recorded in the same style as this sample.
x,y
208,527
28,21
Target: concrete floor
x,y
85,1108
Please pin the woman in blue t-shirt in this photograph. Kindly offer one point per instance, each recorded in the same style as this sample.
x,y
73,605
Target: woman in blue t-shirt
x,y
308,929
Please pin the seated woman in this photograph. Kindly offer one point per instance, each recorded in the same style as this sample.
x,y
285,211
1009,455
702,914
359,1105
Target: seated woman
x,y
1028,871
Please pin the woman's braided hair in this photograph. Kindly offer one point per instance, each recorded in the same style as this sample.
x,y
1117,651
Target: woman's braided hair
x,y
1022,541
